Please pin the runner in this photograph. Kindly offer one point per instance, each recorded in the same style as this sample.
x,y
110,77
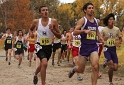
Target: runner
x,y
46,29
75,51
69,44
112,37
87,27
8,44
64,45
100,48
31,39
19,51
56,46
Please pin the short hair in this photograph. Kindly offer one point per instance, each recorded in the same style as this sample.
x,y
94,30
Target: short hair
x,y
86,5
63,31
41,7
8,29
105,20
19,31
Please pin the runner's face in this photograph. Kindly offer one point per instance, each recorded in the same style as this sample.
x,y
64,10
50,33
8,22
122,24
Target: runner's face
x,y
64,32
20,33
8,31
44,12
71,30
90,10
111,21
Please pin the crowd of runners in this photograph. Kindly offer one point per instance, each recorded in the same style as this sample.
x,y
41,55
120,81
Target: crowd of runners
x,y
84,42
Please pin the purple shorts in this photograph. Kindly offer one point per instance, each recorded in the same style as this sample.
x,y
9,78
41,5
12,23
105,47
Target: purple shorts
x,y
87,49
110,54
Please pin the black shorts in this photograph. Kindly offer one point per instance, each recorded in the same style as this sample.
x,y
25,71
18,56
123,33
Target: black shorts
x,y
64,48
19,52
56,46
45,52
6,47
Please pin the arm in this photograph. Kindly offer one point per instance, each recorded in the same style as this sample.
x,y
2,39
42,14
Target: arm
x,y
69,40
33,25
78,30
55,28
4,36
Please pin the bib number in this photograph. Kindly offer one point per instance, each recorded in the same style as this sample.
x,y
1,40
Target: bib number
x,y
111,42
8,41
18,46
77,42
92,36
44,41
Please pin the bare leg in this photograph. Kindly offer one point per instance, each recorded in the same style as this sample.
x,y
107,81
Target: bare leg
x,y
30,58
6,52
43,70
59,56
94,58
9,56
53,54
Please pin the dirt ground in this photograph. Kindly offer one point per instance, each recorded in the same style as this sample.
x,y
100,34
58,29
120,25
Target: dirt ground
x,y
56,75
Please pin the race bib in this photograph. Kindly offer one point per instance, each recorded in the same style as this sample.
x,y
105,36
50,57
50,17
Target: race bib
x,y
77,42
92,36
18,46
44,41
56,39
8,41
111,42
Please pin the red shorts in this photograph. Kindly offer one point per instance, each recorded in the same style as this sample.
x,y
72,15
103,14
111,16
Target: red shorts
x,y
100,47
75,51
32,48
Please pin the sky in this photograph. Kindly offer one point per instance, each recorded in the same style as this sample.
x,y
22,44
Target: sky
x,y
67,1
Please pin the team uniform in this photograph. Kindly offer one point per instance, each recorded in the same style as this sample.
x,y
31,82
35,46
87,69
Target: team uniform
x,y
44,41
8,42
31,45
63,44
75,45
109,45
19,46
56,44
89,41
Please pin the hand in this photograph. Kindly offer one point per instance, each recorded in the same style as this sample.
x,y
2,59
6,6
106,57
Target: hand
x,y
101,40
105,38
88,31
117,43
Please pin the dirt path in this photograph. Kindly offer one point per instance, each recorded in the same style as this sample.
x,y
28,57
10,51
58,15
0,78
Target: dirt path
x,y
11,75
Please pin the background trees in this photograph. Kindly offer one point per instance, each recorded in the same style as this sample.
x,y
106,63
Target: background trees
x,y
18,14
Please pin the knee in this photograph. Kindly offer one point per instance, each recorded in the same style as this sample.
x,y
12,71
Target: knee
x,y
95,67
116,68
44,64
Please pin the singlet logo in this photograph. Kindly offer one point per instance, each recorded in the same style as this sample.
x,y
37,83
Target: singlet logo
x,y
110,35
44,33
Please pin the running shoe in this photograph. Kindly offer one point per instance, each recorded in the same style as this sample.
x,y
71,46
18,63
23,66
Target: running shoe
x,y
35,79
9,63
6,59
79,78
71,73
19,66
58,63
